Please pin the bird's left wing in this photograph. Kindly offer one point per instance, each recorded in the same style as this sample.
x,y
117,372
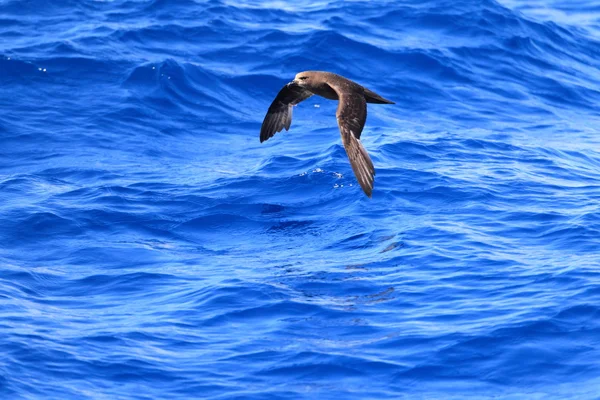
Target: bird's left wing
x,y
351,116
279,115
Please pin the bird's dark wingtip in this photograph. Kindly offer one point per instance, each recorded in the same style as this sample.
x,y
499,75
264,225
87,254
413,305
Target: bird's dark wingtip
x,y
264,136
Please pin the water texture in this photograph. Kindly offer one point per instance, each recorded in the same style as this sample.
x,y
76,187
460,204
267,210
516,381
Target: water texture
x,y
152,248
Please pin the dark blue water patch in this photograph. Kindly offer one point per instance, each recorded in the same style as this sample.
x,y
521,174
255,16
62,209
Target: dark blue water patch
x,y
39,224
120,285
17,71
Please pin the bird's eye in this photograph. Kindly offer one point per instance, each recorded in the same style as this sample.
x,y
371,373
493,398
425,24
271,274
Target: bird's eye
x,y
303,78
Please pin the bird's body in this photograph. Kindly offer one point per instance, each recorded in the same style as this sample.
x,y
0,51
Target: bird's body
x,y
351,114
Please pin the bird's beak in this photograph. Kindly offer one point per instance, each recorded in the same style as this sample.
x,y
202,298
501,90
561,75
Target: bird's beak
x,y
291,83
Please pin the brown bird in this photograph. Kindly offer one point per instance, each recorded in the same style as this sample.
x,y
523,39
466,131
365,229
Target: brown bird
x,y
351,115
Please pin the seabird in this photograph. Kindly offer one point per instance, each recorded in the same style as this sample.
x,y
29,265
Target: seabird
x,y
351,115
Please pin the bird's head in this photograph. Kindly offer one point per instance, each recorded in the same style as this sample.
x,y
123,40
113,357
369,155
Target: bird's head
x,y
303,79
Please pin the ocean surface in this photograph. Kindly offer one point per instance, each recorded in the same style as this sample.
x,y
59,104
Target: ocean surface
x,y
152,248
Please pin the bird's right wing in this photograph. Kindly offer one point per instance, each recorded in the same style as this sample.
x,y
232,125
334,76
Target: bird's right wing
x,y
279,115
351,116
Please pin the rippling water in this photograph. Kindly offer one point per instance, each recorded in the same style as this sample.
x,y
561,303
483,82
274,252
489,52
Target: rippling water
x,y
151,247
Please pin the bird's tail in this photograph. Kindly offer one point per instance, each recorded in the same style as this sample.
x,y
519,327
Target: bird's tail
x,y
373,97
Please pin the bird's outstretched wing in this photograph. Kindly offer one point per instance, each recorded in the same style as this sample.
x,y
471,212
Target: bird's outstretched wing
x,y
279,115
351,116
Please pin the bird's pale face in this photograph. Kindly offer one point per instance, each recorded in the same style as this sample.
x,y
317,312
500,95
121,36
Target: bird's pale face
x,y
303,79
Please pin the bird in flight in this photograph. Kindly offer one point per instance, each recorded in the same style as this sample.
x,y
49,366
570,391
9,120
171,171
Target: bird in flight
x,y
351,115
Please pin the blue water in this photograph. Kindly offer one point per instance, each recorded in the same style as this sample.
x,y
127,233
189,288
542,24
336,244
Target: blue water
x,y
152,248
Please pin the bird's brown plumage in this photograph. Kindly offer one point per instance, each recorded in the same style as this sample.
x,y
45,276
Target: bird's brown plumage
x,y
351,115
